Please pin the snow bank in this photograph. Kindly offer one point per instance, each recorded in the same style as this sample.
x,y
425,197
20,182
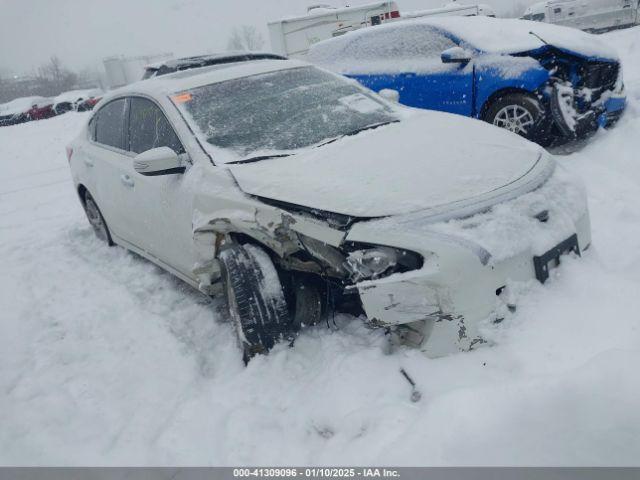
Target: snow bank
x,y
107,360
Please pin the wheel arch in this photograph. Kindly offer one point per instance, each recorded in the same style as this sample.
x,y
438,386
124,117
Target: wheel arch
x,y
82,191
242,238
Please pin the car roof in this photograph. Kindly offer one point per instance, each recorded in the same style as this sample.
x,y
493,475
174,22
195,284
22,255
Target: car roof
x,y
197,61
487,34
192,78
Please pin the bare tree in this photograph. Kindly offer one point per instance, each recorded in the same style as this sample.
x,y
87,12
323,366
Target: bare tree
x,y
245,38
55,77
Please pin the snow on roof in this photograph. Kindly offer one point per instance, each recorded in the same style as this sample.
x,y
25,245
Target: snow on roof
x,y
539,7
322,11
20,105
74,95
491,35
193,78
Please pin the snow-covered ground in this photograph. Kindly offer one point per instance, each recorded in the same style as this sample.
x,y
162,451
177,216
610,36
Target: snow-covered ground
x,y
107,360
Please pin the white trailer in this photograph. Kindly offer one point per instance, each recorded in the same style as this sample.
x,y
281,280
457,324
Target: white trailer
x,y
121,70
588,15
453,9
292,37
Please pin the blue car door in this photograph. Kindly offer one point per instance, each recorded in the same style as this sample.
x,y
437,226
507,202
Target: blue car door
x,y
410,63
449,90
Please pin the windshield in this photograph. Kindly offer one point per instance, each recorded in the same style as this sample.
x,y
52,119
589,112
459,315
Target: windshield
x,y
281,111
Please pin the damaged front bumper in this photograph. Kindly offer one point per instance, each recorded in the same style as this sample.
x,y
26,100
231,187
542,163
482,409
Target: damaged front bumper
x,y
469,262
576,116
614,107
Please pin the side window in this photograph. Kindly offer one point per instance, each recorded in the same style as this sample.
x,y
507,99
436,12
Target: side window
x,y
409,42
149,128
109,124
92,129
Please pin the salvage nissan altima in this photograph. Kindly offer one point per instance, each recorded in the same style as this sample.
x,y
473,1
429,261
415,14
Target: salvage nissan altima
x,y
295,192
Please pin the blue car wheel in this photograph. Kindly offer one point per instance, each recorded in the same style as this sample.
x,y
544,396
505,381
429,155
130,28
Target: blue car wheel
x,y
522,114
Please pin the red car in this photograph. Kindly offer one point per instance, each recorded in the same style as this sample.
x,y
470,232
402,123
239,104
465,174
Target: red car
x,y
88,104
41,110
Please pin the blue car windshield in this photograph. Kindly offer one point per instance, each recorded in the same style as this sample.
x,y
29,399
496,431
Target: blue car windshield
x,y
281,111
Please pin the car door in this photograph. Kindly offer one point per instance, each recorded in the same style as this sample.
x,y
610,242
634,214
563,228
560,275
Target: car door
x,y
109,165
164,203
416,71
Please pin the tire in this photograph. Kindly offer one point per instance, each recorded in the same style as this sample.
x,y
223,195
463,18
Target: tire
x,y
96,219
255,298
522,114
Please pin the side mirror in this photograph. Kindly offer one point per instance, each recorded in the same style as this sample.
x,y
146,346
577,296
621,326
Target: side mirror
x,y
390,95
456,55
158,161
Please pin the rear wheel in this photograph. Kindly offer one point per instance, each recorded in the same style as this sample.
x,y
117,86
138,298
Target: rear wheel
x,y
96,219
522,114
255,298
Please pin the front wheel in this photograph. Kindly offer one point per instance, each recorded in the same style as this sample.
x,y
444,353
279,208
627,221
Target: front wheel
x,y
522,114
255,298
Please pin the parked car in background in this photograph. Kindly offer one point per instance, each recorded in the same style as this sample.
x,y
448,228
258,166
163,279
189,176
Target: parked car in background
x,y
120,70
24,109
541,81
296,192
41,110
89,103
71,101
187,63
591,16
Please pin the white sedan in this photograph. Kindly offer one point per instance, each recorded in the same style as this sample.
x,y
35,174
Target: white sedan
x,y
296,192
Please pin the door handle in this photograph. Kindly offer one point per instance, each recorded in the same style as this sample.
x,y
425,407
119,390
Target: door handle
x,y
127,180
88,162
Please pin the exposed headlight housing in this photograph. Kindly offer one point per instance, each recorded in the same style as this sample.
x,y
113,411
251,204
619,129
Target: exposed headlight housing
x,y
379,261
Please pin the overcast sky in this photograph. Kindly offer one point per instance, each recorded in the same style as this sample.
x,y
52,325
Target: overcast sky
x,y
83,32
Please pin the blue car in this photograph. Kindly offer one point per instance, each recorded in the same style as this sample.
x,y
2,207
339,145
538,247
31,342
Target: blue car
x,y
544,82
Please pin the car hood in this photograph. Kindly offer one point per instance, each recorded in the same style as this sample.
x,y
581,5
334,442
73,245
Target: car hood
x,y
509,36
429,161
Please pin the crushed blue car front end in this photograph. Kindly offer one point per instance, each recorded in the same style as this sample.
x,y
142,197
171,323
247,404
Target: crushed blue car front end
x,y
582,92
578,93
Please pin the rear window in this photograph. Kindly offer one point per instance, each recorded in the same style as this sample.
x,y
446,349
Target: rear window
x,y
109,124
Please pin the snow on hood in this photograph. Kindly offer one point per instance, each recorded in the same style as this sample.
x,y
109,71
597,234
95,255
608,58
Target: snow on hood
x,y
485,34
429,160
501,35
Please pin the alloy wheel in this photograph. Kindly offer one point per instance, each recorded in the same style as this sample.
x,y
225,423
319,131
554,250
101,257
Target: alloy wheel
x,y
514,118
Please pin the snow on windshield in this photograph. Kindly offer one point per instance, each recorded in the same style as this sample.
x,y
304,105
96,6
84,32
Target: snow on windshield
x,y
279,112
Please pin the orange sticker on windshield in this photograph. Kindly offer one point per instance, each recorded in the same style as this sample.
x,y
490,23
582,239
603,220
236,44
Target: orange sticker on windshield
x,y
182,98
